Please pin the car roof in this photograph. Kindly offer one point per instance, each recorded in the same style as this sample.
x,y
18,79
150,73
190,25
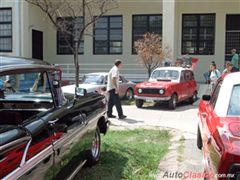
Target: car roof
x,y
172,68
10,63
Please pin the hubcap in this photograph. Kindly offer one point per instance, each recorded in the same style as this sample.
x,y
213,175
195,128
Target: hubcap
x,y
129,94
95,146
174,101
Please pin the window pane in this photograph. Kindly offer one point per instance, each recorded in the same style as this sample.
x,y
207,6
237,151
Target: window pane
x,y
62,43
234,106
189,33
110,29
101,23
206,34
101,34
143,24
190,46
198,33
115,50
140,21
207,20
189,21
5,30
206,47
115,22
101,47
116,34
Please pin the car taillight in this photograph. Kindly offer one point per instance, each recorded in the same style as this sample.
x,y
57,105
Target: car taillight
x,y
235,129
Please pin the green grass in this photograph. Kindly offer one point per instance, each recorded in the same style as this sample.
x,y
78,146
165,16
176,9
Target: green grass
x,y
132,154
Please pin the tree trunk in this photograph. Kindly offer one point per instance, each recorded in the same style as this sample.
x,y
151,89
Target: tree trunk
x,y
76,62
149,72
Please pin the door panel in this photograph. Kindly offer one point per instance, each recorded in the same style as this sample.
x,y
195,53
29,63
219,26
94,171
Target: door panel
x,y
70,148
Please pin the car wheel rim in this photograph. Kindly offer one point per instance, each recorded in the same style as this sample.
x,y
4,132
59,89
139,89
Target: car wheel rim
x,y
95,146
174,101
129,94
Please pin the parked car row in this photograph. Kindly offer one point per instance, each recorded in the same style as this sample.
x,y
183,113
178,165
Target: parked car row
x,y
45,134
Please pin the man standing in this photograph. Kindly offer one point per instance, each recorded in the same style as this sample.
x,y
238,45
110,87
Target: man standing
x,y
235,59
113,89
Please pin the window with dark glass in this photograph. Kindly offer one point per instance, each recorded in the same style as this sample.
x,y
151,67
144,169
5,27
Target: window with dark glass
x,y
64,40
108,35
198,34
143,24
5,30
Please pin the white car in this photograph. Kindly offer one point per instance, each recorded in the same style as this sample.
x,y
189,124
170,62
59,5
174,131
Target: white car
x,y
95,82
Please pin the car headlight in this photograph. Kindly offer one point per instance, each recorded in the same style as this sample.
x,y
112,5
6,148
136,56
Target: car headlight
x,y
161,91
139,91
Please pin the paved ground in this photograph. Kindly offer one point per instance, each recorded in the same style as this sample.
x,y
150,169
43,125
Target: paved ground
x,y
184,155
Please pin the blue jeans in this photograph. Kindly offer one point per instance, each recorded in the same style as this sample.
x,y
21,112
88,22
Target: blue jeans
x,y
206,76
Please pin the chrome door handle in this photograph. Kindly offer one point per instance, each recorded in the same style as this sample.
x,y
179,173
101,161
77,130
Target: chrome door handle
x,y
53,121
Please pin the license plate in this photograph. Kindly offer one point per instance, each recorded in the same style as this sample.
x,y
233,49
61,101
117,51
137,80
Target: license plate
x,y
149,100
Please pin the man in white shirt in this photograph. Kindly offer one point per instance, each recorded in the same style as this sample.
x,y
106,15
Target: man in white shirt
x,y
113,90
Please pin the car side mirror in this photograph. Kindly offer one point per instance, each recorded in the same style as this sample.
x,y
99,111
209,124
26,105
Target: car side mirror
x,y
80,92
206,97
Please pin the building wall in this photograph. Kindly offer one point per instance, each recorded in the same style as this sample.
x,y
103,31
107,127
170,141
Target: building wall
x,y
16,20
26,17
221,8
90,62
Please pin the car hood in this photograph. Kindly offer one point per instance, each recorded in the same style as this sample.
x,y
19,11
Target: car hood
x,y
89,87
155,84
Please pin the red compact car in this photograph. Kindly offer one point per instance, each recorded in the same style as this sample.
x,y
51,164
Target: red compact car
x,y
219,129
167,84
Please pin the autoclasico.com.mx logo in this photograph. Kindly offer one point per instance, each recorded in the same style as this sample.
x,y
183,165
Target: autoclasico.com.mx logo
x,y
193,175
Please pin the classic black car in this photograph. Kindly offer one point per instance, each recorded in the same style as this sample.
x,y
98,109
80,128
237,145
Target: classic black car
x,y
45,134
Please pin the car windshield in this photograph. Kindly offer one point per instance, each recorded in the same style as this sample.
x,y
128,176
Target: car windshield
x,y
93,79
165,74
234,105
25,87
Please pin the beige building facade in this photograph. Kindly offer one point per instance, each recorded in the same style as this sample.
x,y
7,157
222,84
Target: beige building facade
x,y
206,29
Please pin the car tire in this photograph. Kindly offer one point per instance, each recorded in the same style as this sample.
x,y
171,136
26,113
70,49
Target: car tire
x,y
139,103
129,95
199,139
193,98
93,154
173,102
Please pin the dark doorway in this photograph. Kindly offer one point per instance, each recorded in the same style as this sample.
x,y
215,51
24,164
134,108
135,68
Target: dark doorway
x,y
37,44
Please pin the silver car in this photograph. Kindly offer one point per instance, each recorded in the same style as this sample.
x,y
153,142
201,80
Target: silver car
x,y
95,82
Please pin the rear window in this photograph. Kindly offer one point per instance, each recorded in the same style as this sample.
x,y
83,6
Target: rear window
x,y
165,74
234,104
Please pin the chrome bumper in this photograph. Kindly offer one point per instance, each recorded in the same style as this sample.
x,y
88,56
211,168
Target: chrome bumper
x,y
153,98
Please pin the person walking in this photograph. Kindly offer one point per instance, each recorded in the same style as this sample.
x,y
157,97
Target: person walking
x,y
235,59
113,90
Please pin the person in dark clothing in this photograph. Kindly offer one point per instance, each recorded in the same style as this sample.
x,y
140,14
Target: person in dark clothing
x,y
113,90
